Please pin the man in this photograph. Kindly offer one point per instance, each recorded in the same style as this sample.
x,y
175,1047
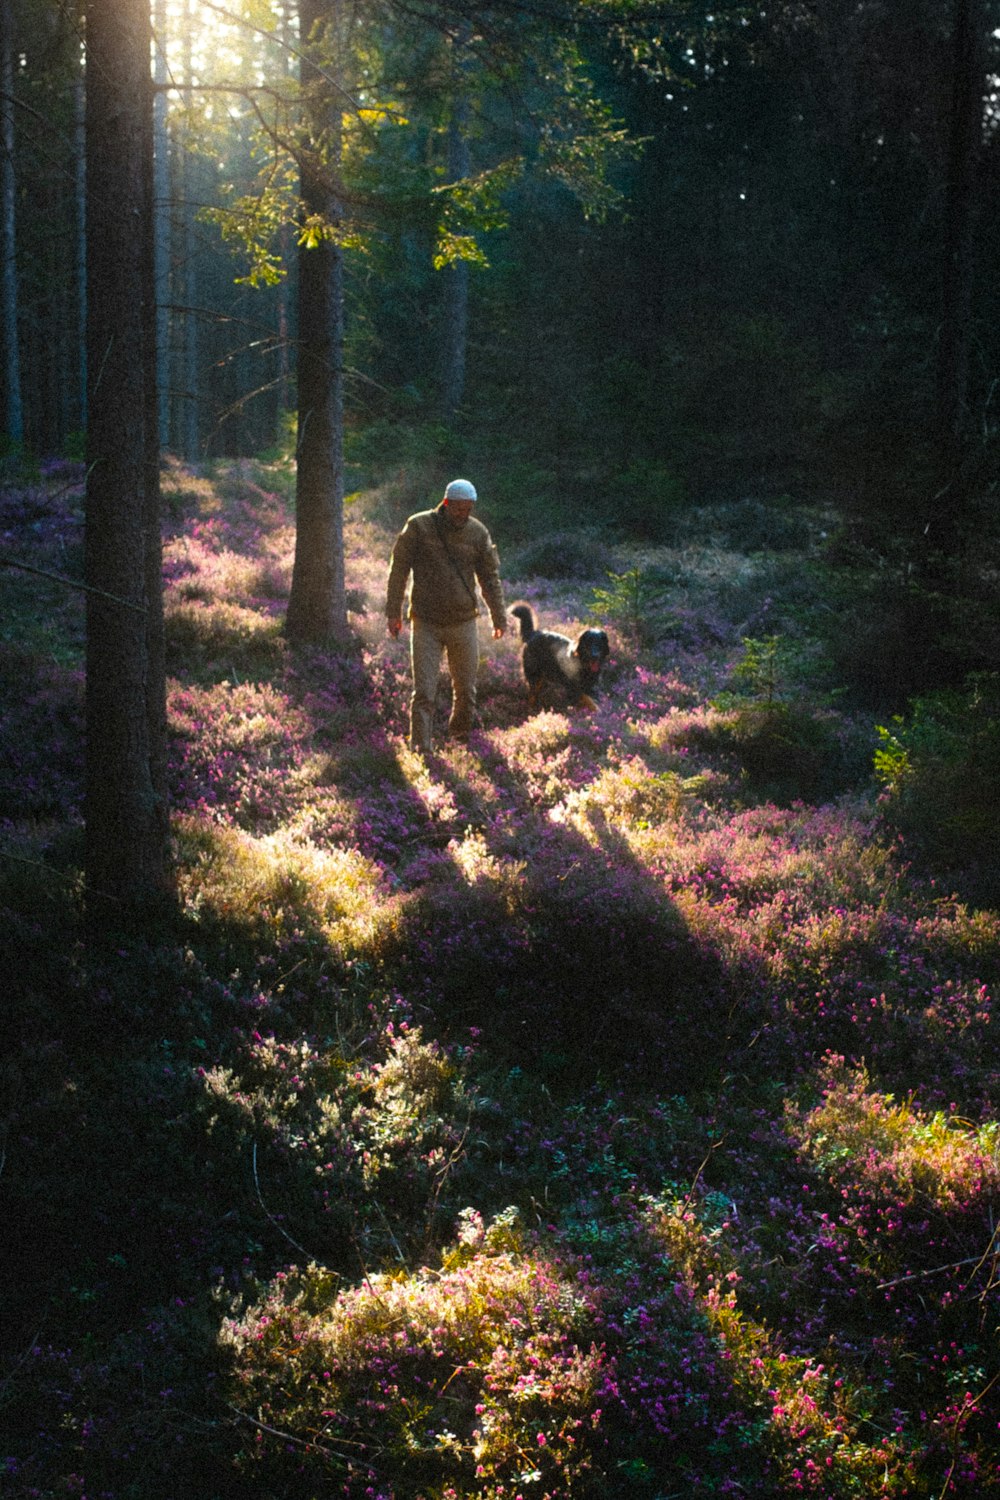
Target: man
x,y
446,551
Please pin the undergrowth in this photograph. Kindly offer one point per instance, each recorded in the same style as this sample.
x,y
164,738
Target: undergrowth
x,y
602,1110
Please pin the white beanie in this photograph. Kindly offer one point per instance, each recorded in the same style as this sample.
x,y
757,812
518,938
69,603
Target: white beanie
x,y
460,489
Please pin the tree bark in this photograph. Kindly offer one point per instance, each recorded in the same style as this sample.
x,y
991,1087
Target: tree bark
x,y
80,245
125,811
10,377
190,383
317,607
456,276
965,150
161,218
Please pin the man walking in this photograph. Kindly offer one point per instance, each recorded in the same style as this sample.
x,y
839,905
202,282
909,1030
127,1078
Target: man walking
x,y
445,551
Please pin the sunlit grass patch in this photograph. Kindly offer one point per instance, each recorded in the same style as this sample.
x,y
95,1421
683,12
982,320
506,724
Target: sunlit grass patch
x,y
368,1129
281,890
476,862
185,492
629,799
550,752
223,638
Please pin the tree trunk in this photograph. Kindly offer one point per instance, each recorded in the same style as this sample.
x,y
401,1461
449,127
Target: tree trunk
x,y
10,376
190,381
965,150
317,607
161,219
80,258
456,276
126,830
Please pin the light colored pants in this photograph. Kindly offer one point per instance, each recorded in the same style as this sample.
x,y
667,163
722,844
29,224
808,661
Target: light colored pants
x,y
428,643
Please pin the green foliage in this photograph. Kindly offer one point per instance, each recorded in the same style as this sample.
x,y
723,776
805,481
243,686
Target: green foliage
x,y
580,142
470,208
940,772
762,667
276,890
786,747
787,751
524,496
222,639
625,602
649,498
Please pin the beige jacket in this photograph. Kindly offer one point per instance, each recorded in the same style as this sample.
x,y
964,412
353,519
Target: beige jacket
x,y
445,562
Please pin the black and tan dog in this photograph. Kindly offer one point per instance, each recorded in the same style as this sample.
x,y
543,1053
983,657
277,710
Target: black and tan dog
x,y
550,657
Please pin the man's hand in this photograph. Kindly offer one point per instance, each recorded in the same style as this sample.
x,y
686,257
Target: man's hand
x,y
498,631
394,627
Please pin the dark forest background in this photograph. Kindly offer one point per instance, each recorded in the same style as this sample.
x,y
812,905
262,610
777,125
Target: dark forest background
x,y
788,285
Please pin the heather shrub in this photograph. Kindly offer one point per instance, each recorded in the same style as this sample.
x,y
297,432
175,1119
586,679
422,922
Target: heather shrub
x,y
476,1379
916,1189
195,574
630,798
786,749
238,747
571,963
813,1433
273,891
365,1135
222,639
41,733
865,1139
564,554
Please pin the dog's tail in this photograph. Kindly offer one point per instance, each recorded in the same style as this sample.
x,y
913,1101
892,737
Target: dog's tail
x,y
526,615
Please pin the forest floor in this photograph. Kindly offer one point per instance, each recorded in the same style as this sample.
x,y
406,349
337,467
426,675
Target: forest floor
x,y
603,1108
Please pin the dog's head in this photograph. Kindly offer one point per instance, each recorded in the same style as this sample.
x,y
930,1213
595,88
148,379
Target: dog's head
x,y
592,651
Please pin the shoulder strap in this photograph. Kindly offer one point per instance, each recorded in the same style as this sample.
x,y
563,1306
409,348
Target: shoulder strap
x,y
439,525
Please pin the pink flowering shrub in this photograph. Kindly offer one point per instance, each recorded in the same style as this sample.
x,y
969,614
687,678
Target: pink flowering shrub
x,y
927,1180
579,966
479,1377
814,1426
